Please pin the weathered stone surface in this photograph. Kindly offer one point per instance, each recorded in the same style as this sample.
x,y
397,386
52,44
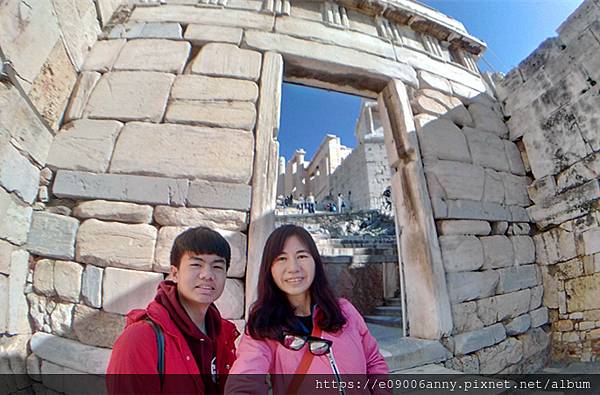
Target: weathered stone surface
x,y
4,307
17,174
13,352
583,293
465,343
519,229
539,317
454,109
426,105
465,286
124,290
226,60
488,120
429,80
493,188
84,145
115,244
231,302
184,151
468,209
515,161
79,27
52,235
441,139
43,277
524,249
534,342
166,30
536,297
167,234
130,96
6,249
493,359
212,218
237,115
219,195
204,34
461,253
518,325
487,149
199,87
18,322
464,227
103,55
581,172
91,286
106,9
497,251
554,246
16,219
114,211
515,190
129,188
455,180
96,327
591,241
542,189
464,317
67,280
81,94
70,353
61,319
468,364
518,277
166,56
500,307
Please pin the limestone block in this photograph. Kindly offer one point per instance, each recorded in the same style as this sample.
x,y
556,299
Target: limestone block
x,y
461,253
591,241
426,105
130,96
52,235
496,358
539,317
166,30
199,87
166,56
18,322
536,296
96,327
468,209
497,251
468,364
237,115
487,149
16,219
464,317
106,9
124,290
43,277
114,211
455,180
67,280
84,145
515,189
515,161
464,227
103,55
6,249
488,120
518,325
581,172
455,110
81,94
519,229
61,319
468,342
554,246
430,80
441,139
518,277
219,195
464,286
115,244
200,35
524,249
91,286
542,189
33,367
70,353
184,151
231,302
17,174
587,119
212,218
583,293
167,234
493,189
4,307
534,342
13,353
227,60
129,188
501,307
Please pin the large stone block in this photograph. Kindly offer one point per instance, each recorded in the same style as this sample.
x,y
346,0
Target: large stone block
x,y
524,249
583,293
4,307
488,120
591,241
231,302
515,161
237,115
464,317
494,359
468,342
501,307
554,246
453,109
581,172
487,149
469,209
534,342
199,87
114,211
6,249
493,188
124,290
184,151
61,319
91,286
226,60
518,277
200,35
52,235
539,317
103,55
130,96
219,195
455,180
515,190
497,251
18,322
461,253
212,218
129,188
432,81
518,325
17,174
466,286
441,139
80,96
106,9
131,30
464,227
84,145
166,56
114,244
16,219
43,277
67,280
96,327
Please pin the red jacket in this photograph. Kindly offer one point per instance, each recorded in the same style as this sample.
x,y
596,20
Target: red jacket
x,y
135,354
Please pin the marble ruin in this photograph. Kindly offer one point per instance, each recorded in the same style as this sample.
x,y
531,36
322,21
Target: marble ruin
x,y
124,122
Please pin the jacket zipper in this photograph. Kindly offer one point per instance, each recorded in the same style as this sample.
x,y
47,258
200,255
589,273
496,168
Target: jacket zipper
x,y
336,372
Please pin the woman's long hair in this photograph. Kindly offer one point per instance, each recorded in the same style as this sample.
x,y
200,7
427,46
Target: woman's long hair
x,y
272,312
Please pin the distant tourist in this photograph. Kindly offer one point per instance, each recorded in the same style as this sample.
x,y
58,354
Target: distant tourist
x,y
340,202
301,203
310,203
387,199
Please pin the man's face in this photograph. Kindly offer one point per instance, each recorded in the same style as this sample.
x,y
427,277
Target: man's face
x,y
200,278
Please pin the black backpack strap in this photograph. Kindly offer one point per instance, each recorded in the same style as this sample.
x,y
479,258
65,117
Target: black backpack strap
x,y
160,346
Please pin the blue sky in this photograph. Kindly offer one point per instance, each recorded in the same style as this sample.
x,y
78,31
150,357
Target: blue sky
x,y
512,29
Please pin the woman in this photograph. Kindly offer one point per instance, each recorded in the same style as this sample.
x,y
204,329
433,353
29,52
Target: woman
x,y
297,326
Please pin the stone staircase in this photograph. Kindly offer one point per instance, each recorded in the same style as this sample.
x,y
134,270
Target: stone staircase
x,y
389,314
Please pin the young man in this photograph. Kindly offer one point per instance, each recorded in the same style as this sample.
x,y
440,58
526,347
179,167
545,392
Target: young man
x,y
199,345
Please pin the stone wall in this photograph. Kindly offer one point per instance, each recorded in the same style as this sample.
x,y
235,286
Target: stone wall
x,y
552,99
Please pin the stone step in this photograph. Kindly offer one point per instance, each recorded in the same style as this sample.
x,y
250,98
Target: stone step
x,y
394,310
384,320
373,258
393,302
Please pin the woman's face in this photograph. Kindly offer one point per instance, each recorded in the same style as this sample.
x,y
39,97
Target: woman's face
x,y
294,269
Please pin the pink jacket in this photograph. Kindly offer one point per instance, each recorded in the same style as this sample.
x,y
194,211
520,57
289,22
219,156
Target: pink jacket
x,y
354,349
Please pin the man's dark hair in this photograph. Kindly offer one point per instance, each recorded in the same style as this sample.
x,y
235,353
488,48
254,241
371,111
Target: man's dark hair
x,y
200,240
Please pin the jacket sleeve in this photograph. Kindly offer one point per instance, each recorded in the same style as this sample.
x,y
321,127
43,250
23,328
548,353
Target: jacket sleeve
x,y
250,370
132,368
